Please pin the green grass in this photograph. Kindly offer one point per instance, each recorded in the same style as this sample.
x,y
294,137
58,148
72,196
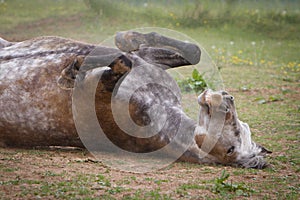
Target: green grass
x,y
254,44
225,189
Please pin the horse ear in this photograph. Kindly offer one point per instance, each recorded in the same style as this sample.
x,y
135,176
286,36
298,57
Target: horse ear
x,y
211,114
217,115
264,151
210,98
216,99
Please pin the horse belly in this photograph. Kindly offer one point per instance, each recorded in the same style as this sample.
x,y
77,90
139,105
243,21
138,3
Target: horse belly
x,y
34,110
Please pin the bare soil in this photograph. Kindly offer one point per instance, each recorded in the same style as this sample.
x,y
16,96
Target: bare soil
x,y
30,170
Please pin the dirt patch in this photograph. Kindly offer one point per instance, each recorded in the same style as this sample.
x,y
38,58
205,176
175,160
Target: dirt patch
x,y
48,174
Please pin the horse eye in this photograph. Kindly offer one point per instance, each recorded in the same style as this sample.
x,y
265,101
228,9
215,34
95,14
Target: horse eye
x,y
230,150
227,110
224,93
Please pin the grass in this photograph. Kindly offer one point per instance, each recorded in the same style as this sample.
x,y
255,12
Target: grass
x,y
224,189
256,48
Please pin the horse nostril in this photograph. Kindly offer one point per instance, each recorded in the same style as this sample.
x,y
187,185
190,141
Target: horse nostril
x,y
227,110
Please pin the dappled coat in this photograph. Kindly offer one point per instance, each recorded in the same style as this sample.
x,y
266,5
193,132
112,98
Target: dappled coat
x,y
43,83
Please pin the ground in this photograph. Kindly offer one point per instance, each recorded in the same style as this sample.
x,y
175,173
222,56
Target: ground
x,y
261,72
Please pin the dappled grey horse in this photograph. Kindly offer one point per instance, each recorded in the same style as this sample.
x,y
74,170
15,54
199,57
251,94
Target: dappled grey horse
x,y
40,76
